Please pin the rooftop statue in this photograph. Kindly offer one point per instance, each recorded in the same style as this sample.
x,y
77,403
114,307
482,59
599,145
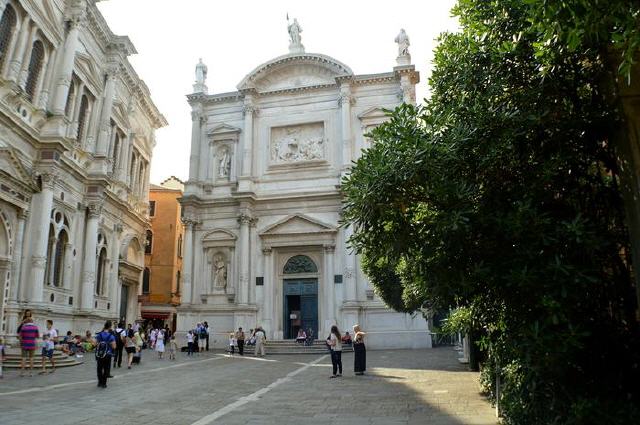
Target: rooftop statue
x,y
201,78
295,40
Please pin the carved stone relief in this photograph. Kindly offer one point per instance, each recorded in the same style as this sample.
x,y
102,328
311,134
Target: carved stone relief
x,y
295,143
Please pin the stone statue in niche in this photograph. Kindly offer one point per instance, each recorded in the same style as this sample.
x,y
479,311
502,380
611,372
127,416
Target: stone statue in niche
x,y
219,272
403,43
297,143
224,163
201,73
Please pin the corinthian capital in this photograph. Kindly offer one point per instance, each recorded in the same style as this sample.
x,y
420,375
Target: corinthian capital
x,y
95,209
245,219
250,109
48,180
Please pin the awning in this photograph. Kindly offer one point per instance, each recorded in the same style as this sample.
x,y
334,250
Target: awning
x,y
155,314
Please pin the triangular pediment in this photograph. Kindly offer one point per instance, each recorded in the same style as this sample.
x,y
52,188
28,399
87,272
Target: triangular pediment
x,y
297,224
373,113
12,167
223,129
86,68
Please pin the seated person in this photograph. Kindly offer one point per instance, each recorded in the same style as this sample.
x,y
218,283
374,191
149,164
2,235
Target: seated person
x,y
302,336
252,339
309,340
346,338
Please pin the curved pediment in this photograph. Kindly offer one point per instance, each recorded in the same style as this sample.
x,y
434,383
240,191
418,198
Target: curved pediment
x,y
294,71
219,235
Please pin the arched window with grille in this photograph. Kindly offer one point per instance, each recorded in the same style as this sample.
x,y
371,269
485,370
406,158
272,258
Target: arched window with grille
x,y
70,98
35,69
82,117
116,148
146,277
100,277
178,276
148,246
58,259
7,26
51,246
180,246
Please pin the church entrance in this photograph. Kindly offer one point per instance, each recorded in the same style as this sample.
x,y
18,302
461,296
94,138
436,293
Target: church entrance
x,y
300,306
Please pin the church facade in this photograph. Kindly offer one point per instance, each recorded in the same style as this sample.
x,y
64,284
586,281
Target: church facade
x,y
263,241
76,138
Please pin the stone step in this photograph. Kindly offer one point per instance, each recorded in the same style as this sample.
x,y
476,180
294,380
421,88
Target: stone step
x,y
12,360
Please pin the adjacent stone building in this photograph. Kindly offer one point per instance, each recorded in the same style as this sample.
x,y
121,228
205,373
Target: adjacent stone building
x,y
76,138
163,254
263,244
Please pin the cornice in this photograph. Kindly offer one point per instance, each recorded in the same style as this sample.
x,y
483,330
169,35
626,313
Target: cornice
x,y
370,79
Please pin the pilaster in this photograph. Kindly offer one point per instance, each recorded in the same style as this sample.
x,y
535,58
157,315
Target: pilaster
x,y
89,256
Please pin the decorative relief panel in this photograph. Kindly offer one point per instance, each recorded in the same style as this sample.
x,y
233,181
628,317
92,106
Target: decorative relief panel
x,y
295,143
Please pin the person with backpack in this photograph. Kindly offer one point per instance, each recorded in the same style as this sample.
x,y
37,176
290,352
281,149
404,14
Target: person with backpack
x,y
120,334
203,335
105,344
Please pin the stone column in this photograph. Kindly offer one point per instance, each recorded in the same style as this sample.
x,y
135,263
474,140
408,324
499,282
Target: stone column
x,y
329,288
67,266
194,159
14,291
349,267
42,204
253,243
247,145
269,311
187,261
89,257
107,105
243,281
124,158
65,70
18,54
346,101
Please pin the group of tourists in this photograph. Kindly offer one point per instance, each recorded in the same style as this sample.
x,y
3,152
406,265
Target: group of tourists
x,y
29,333
335,342
198,339
257,339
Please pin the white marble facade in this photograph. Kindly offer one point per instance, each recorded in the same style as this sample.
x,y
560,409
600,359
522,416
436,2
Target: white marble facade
x,y
76,139
262,204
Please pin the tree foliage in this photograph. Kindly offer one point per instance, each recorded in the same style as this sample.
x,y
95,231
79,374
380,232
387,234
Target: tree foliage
x,y
500,195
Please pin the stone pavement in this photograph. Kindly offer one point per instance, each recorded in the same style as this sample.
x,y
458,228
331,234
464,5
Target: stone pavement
x,y
401,387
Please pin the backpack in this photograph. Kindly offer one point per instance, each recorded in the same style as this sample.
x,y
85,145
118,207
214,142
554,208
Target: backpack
x,y
102,349
203,333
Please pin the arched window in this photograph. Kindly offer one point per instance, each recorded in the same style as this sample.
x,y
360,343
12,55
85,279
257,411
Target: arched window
x,y
58,259
146,278
116,148
82,117
178,275
7,25
180,246
300,264
35,68
102,264
148,246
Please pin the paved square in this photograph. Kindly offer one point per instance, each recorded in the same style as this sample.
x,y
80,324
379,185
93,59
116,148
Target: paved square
x,y
402,387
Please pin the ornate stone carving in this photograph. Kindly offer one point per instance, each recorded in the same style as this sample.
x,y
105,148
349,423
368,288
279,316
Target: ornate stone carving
x,y
295,40
95,209
48,180
304,142
245,219
404,58
346,99
300,264
200,85
267,251
348,272
249,109
329,249
219,272
224,163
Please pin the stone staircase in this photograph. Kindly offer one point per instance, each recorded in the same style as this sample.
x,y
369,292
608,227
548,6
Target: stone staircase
x,y
290,346
12,360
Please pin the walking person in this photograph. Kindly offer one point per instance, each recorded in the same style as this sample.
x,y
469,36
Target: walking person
x,y
359,351
173,347
3,355
160,343
261,338
203,336
105,344
28,334
130,347
206,328
335,342
50,334
240,341
232,343
120,335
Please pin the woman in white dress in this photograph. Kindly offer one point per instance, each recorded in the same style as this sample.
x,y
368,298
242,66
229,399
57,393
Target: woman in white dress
x,y
160,343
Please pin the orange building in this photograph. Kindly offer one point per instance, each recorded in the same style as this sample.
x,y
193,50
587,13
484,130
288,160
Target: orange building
x,y
163,254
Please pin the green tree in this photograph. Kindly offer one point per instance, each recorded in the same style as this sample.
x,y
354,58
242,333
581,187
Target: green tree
x,y
501,195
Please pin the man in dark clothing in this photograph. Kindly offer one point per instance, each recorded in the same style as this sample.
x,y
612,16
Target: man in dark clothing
x,y
206,327
105,344
119,334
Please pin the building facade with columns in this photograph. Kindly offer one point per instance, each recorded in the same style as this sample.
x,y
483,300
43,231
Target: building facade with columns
x,y
76,138
263,244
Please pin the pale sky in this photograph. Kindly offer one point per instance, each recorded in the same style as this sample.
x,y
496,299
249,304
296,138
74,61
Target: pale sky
x,y
233,37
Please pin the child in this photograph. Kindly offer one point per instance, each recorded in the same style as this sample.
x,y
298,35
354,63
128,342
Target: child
x,y
173,347
232,343
47,352
2,355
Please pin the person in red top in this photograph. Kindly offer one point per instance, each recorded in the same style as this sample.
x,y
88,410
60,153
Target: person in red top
x,y
28,334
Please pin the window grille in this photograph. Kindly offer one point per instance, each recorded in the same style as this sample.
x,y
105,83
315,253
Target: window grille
x,y
7,25
35,68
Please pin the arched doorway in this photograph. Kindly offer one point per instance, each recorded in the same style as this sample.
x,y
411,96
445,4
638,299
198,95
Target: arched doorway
x,y
300,296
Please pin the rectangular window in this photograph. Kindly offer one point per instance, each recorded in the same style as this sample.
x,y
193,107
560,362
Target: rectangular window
x,y
152,208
